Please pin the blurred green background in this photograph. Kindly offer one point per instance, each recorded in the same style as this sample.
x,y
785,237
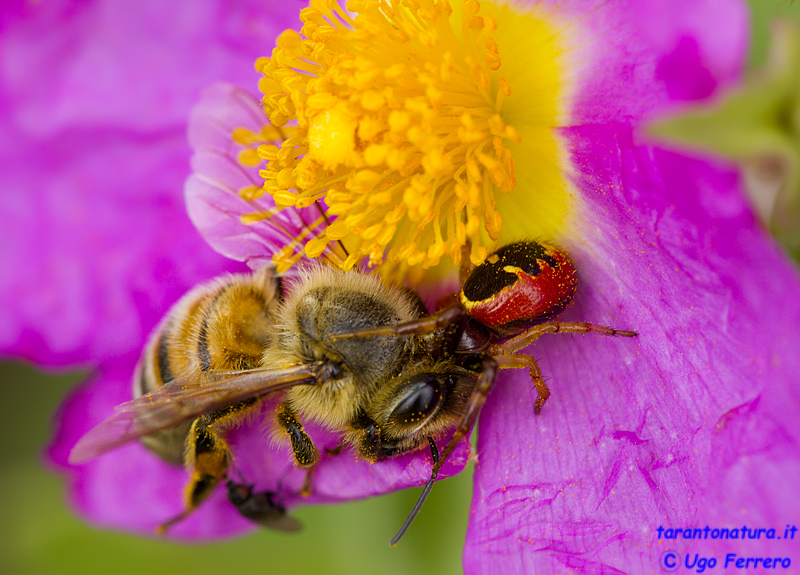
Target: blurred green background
x,y
39,533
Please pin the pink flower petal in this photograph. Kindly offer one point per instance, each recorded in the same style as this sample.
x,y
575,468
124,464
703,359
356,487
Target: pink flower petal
x,y
95,99
631,58
138,65
691,424
109,239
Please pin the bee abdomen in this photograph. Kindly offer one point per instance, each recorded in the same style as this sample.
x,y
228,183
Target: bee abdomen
x,y
236,327
222,325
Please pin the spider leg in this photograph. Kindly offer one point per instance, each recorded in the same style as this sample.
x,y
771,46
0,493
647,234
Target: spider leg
x,y
466,264
527,337
522,361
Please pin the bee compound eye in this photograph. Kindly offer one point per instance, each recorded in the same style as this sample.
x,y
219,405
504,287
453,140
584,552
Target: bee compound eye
x,y
422,397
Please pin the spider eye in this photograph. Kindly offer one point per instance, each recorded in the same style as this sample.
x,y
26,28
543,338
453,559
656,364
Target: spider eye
x,y
420,399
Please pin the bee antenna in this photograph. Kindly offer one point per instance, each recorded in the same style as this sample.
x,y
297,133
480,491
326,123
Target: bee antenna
x,y
422,496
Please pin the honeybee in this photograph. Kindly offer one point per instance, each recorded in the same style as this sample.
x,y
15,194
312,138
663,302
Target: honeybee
x,y
348,351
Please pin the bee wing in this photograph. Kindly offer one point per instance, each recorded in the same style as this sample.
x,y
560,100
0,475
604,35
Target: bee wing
x,y
182,400
225,130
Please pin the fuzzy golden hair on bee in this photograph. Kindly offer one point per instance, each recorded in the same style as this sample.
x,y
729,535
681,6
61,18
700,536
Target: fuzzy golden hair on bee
x,y
238,325
234,306
316,278
326,301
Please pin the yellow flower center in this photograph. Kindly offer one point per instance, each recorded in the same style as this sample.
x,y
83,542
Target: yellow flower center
x,y
405,126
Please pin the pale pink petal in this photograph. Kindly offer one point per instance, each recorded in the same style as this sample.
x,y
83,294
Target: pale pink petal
x,y
212,197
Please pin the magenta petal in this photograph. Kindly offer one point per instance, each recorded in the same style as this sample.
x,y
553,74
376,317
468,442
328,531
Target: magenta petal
x,y
137,65
691,424
634,58
99,250
344,478
212,197
94,99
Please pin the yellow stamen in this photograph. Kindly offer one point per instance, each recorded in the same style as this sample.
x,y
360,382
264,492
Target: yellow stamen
x,y
403,120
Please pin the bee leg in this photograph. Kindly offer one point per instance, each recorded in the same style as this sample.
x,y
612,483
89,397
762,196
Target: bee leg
x,y
207,456
305,454
522,361
369,440
526,338
305,490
